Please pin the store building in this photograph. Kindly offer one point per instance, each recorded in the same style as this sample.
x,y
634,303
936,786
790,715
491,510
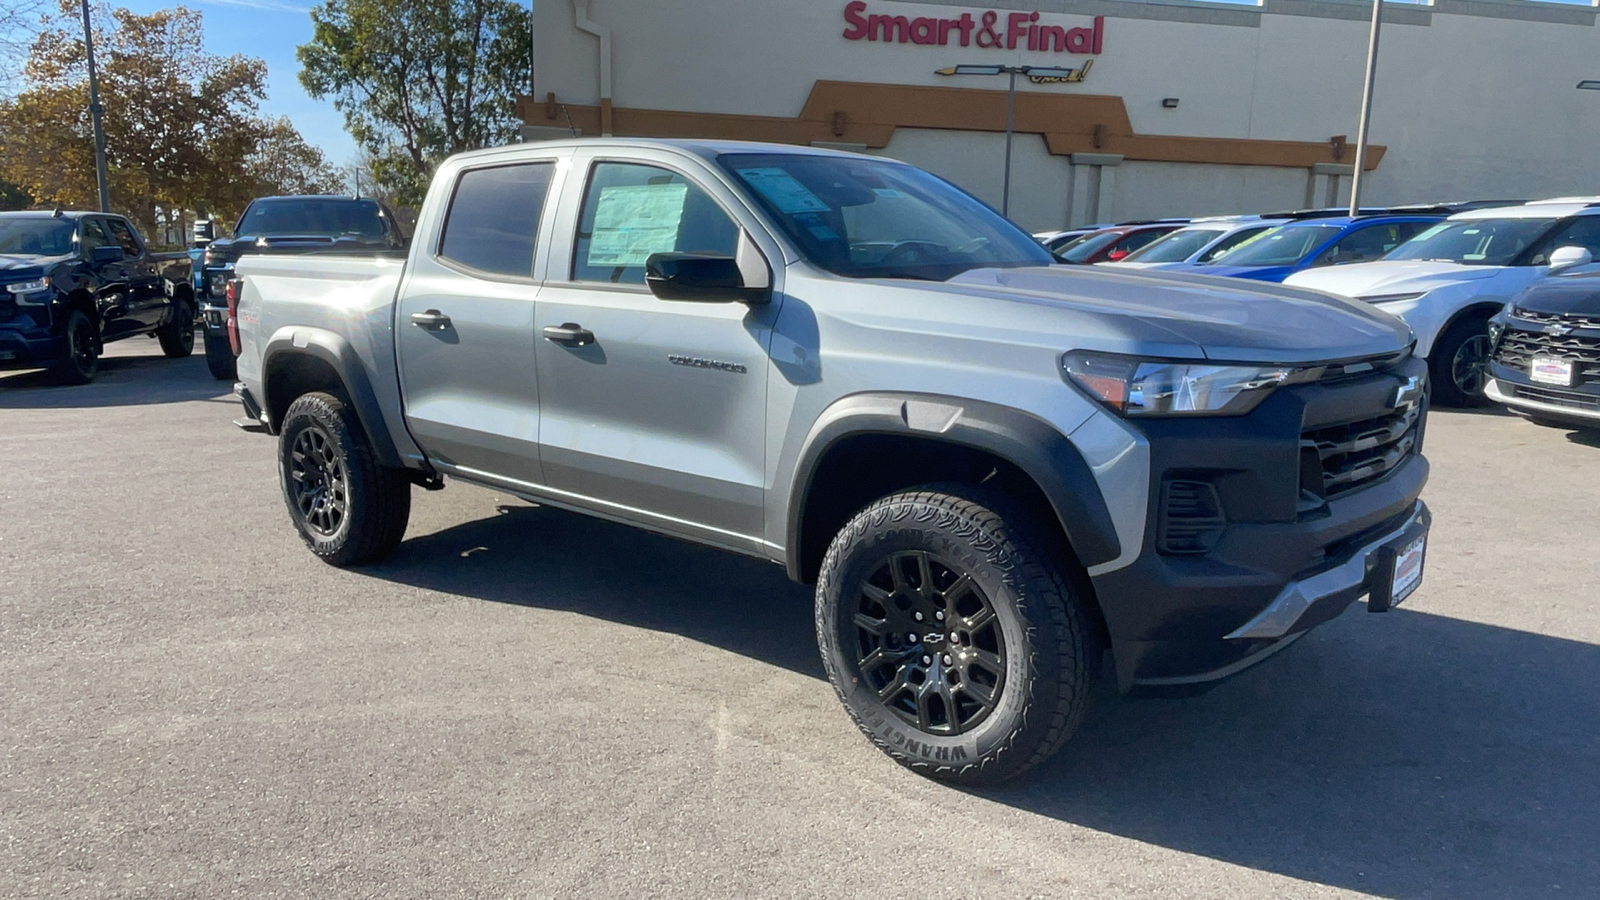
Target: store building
x,y
1169,108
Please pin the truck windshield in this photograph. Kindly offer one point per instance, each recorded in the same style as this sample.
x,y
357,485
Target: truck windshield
x,y
35,236
862,218
1474,242
319,217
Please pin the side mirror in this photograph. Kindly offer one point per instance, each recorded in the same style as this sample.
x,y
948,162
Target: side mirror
x,y
1567,257
102,255
710,278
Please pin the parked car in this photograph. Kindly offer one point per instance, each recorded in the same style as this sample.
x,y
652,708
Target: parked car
x,y
1544,355
1312,243
1114,243
1055,240
285,225
1449,280
72,281
995,469
1197,243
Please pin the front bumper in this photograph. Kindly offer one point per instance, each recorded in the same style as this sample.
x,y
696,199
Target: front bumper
x,y
29,348
1518,392
1191,611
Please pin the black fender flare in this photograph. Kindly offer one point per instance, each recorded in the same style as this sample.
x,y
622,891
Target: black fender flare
x,y
334,350
1031,444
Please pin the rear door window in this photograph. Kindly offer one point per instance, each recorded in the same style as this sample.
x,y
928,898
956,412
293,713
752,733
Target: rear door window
x,y
492,225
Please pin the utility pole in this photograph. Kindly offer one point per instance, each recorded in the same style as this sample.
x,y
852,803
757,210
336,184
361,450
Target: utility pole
x,y
95,113
1366,108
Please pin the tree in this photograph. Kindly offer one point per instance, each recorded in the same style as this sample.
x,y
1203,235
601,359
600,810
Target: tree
x,y
183,129
418,80
19,22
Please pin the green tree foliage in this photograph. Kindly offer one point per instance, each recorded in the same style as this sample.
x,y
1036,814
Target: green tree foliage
x,y
418,80
183,129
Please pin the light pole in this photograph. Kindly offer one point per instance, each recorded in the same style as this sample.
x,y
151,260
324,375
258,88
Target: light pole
x,y
1011,105
94,113
1366,108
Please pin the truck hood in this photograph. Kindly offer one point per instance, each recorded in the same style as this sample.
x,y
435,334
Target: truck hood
x,y
14,265
1398,277
1178,314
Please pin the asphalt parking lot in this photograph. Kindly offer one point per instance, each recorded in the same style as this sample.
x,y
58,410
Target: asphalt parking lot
x,y
527,703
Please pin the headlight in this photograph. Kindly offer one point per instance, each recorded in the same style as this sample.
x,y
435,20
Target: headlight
x,y
21,289
1392,298
1133,386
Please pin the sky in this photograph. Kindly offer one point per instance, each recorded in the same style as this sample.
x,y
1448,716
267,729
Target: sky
x,y
270,30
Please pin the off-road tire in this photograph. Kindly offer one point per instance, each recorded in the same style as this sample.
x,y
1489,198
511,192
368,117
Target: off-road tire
x,y
177,336
1441,361
219,358
82,362
1042,619
377,501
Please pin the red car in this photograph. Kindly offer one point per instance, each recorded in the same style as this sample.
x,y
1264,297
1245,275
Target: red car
x,y
1114,243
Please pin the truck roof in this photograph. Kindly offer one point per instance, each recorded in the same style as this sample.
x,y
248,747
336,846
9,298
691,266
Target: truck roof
x,y
53,214
704,148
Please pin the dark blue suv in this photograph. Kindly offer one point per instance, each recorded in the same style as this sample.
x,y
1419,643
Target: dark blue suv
x,y
1277,253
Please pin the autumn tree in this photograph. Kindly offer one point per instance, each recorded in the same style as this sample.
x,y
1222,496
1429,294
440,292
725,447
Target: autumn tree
x,y
418,80
183,128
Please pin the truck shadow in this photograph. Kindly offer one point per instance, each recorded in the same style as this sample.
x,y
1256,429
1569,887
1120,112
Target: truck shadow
x,y
1406,755
123,381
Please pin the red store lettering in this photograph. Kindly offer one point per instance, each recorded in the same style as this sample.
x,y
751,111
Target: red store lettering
x,y
1021,30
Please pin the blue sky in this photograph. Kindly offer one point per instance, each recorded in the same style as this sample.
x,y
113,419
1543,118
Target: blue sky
x,y
270,30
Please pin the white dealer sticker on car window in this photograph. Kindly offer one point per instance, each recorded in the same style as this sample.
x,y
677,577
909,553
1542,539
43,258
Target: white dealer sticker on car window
x,y
633,221
788,195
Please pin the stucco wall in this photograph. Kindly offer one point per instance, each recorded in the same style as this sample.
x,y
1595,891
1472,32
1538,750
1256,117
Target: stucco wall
x,y
1469,105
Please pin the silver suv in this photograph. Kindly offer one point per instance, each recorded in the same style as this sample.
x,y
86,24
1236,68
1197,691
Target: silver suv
x,y
1004,477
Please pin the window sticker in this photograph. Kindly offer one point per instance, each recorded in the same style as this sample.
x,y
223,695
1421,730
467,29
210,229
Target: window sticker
x,y
778,186
633,221
823,233
888,193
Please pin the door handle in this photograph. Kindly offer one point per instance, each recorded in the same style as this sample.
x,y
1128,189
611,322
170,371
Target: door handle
x,y
569,334
432,320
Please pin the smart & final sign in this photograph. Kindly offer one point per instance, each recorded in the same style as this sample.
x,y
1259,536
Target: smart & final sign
x,y
1021,31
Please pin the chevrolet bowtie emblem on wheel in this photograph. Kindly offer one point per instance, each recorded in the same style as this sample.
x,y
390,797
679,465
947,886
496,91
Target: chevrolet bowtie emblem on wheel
x,y
1558,329
1408,394
933,637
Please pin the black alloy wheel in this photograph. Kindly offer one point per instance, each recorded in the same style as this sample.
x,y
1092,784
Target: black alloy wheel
x,y
1469,367
928,643
177,336
82,362
956,644
320,481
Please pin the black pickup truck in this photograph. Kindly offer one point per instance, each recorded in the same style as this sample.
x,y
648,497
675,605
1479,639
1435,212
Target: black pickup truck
x,y
71,281
300,224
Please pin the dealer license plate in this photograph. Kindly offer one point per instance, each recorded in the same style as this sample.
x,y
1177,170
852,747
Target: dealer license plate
x,y
1408,570
1545,370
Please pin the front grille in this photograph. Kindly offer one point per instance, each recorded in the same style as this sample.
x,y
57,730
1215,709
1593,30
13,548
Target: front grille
x,y
8,305
1540,318
1586,402
1518,348
1359,453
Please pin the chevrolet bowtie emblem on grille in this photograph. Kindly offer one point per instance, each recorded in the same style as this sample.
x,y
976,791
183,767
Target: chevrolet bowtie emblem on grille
x,y
1558,329
1408,394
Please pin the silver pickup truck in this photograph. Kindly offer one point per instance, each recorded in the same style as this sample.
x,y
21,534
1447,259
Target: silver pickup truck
x,y
1004,477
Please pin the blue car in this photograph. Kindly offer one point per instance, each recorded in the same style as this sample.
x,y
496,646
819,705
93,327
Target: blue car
x,y
1277,253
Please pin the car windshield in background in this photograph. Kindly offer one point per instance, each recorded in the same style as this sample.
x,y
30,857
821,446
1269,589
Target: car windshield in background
x,y
1175,247
35,236
322,218
1081,249
1281,246
1474,242
862,218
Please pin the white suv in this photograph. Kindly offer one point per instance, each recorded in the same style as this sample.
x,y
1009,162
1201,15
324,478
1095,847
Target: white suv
x,y
1447,281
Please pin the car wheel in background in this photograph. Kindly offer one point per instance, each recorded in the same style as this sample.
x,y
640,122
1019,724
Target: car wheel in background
x,y
177,336
1459,363
347,508
952,641
82,362
219,357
